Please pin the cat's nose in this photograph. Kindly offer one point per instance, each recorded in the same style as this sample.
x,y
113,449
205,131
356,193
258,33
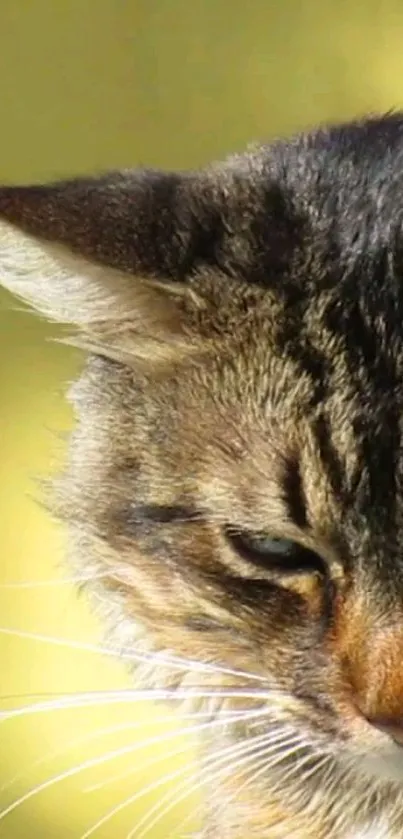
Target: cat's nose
x,y
369,647
393,728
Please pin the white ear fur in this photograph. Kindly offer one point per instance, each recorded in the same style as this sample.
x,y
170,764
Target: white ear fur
x,y
60,284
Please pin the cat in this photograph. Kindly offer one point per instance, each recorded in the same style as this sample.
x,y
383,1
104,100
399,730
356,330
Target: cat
x,y
234,487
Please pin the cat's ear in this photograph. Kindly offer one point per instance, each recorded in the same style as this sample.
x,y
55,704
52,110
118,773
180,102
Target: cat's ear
x,y
92,250
57,239
75,249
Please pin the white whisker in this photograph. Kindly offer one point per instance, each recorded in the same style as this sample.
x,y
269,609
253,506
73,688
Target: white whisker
x,y
29,584
145,765
244,751
242,716
92,762
136,796
132,655
266,750
122,697
131,800
296,767
93,735
139,695
68,773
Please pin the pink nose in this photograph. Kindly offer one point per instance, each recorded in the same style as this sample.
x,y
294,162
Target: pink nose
x,y
393,729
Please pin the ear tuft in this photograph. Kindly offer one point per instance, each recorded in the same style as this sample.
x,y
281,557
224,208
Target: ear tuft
x,y
118,315
60,284
112,255
74,249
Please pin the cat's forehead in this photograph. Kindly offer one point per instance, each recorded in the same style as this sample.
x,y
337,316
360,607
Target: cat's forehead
x,y
245,419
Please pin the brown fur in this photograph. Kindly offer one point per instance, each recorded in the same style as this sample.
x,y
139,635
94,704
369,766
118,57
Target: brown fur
x,y
250,378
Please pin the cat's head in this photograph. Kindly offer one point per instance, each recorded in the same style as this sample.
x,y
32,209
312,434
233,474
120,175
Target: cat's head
x,y
235,481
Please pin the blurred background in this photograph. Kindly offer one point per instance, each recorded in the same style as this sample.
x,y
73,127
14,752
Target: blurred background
x,y
95,85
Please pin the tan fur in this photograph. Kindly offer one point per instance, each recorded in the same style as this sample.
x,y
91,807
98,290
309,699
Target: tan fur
x,y
225,392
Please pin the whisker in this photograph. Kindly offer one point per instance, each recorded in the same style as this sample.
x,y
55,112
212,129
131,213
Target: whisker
x,y
68,773
140,695
135,797
179,750
92,762
131,800
317,767
265,765
144,765
196,729
242,751
105,731
105,692
6,697
75,770
130,656
29,584
267,748
230,718
269,764
197,811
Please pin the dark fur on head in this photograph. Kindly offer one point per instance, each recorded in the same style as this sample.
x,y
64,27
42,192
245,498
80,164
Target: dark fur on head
x,y
244,329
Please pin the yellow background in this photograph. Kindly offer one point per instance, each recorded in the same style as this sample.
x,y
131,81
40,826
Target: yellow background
x,y
87,85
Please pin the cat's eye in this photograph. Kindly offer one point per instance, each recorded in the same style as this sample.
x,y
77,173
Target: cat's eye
x,y
269,545
270,551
